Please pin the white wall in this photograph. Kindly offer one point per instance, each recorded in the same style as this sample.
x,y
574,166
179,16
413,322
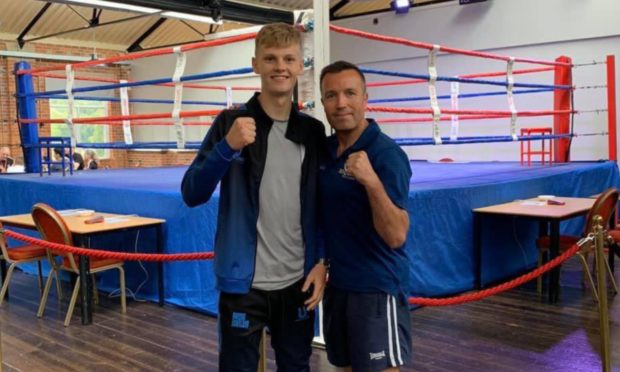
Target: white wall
x,y
537,29
584,30
226,57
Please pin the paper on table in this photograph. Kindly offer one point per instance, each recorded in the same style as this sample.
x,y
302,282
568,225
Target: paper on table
x,y
531,202
115,219
71,212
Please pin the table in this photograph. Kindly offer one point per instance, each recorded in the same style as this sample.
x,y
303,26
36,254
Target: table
x,y
81,231
549,217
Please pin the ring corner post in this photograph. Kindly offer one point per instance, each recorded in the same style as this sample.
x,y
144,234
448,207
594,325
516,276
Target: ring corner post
x,y
27,109
561,102
611,107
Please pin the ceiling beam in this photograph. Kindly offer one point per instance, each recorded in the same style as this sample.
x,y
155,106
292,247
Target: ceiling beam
x,y
94,21
85,28
255,15
20,38
135,46
230,11
339,5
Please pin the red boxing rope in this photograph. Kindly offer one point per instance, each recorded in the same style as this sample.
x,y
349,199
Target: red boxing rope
x,y
415,44
148,123
476,296
429,120
396,82
145,54
166,123
108,254
470,76
104,119
502,73
414,110
112,120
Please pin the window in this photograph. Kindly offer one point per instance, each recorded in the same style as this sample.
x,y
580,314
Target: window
x,y
85,133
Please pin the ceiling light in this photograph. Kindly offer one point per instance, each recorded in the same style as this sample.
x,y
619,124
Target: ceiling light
x,y
400,6
190,17
115,6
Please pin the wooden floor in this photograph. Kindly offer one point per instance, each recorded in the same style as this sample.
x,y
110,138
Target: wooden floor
x,y
514,331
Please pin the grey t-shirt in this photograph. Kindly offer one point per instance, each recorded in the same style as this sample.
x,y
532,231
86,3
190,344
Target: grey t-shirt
x,y
280,248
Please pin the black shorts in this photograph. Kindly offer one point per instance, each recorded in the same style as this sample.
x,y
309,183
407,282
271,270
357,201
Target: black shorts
x,y
242,318
367,331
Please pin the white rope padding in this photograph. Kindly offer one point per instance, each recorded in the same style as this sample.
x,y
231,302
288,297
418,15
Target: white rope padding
x,y
510,81
454,100
124,95
432,90
178,97
70,80
229,97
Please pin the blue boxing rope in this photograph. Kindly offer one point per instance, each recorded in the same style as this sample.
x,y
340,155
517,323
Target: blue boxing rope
x,y
137,100
463,80
466,95
135,145
93,88
422,141
467,140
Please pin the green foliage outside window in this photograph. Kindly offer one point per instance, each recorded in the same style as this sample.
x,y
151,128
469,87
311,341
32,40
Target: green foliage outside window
x,y
85,133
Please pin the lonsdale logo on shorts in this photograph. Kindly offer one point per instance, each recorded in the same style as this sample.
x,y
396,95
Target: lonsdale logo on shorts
x,y
377,356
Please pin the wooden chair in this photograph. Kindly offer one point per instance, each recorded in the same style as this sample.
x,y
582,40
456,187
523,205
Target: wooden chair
x,y
16,256
53,228
604,206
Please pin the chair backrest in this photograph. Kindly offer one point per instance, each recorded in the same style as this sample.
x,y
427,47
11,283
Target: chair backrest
x,y
604,206
4,253
53,228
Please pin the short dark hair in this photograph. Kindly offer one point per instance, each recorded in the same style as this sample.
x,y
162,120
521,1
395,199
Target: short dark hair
x,y
340,66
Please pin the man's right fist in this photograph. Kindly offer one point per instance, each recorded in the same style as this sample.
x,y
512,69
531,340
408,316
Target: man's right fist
x,y
242,133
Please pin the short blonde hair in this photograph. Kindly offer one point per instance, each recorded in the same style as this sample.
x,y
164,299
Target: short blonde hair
x,y
277,35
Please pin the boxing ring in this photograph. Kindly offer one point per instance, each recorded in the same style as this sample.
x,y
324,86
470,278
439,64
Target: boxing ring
x,y
441,197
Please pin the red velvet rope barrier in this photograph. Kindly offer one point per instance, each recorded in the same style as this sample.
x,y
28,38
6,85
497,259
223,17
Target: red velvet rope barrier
x,y
476,296
124,256
424,301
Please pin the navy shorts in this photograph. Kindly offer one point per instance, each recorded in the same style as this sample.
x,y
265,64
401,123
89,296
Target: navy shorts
x,y
367,331
242,318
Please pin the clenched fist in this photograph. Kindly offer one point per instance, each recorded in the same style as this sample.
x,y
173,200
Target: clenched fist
x,y
358,166
242,133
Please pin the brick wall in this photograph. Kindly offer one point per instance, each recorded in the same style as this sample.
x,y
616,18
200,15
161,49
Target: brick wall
x,y
9,133
159,158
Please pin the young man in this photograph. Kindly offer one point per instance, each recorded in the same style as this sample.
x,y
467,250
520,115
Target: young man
x,y
268,267
364,189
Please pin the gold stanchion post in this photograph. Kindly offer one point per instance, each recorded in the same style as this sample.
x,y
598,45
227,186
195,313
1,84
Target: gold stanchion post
x,y
601,277
262,361
1,362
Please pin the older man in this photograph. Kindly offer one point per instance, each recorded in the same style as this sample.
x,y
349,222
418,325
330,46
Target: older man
x,y
364,187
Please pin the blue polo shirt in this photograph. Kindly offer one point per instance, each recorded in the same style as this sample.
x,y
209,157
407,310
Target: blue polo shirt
x,y
360,261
